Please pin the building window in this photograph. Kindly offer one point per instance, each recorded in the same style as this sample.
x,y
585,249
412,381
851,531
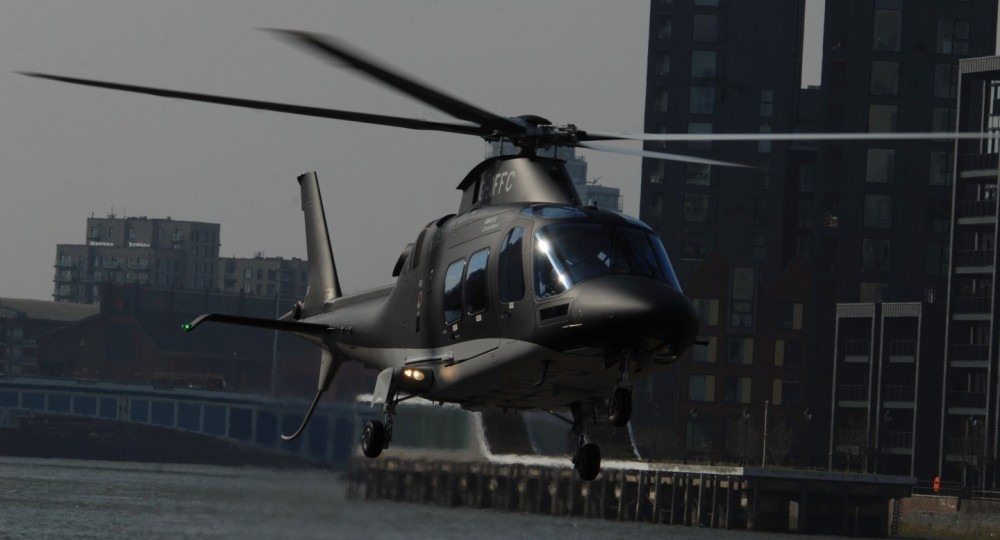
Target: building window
x,y
953,37
703,64
742,297
656,176
666,28
787,353
787,393
704,354
789,316
878,211
702,100
887,29
880,167
945,81
697,128
739,351
881,118
942,119
767,103
708,310
875,254
664,64
940,165
885,78
696,207
764,146
737,389
695,245
698,174
662,99
701,388
655,208
705,28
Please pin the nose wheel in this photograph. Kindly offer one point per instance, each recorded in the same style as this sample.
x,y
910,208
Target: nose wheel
x,y
373,438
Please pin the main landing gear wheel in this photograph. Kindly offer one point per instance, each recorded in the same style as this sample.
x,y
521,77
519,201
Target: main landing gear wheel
x,y
373,438
587,461
620,406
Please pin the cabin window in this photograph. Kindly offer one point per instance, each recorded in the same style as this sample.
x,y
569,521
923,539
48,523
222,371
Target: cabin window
x,y
453,291
475,283
570,253
510,270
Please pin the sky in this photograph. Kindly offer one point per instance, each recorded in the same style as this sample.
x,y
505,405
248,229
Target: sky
x,y
69,152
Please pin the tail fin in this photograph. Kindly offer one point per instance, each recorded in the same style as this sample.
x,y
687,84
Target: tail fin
x,y
323,283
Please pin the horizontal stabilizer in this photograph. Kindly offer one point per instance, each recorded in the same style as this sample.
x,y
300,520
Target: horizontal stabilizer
x,y
270,324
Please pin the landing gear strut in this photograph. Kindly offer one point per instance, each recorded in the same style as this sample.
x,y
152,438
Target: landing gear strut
x,y
620,402
587,458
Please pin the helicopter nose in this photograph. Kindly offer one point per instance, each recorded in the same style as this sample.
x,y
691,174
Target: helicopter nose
x,y
627,307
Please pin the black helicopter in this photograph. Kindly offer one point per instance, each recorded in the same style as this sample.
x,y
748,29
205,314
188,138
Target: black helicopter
x,y
526,298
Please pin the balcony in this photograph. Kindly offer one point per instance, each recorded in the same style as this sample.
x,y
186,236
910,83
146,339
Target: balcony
x,y
902,351
974,261
976,212
964,447
65,262
971,307
852,395
968,355
897,439
979,162
899,395
857,350
966,400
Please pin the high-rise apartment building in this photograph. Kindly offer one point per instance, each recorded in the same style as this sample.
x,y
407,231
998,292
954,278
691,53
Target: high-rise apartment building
x,y
122,250
970,412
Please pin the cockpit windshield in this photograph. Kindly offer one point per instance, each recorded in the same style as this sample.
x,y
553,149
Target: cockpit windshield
x,y
569,253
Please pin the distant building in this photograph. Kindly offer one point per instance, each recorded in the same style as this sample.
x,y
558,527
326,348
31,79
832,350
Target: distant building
x,y
886,389
170,254
591,193
969,438
24,322
871,218
263,276
152,252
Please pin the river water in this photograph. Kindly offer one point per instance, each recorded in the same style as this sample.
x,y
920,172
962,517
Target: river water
x,y
55,498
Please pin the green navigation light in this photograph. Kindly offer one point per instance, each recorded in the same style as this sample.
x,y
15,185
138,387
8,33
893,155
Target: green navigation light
x,y
186,327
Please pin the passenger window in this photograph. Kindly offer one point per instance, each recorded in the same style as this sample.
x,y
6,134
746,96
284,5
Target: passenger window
x,y
510,269
453,292
475,283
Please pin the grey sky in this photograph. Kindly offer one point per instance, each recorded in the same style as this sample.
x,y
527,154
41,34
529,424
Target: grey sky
x,y
67,151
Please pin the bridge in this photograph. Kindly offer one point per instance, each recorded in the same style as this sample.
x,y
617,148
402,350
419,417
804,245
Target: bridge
x,y
247,419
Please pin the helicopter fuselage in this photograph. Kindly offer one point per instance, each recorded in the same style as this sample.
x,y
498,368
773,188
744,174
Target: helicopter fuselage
x,y
520,304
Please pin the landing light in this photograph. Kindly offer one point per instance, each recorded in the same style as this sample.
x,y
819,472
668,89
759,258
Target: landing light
x,y
414,374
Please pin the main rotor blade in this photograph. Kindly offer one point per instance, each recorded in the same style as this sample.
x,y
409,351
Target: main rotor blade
x,y
806,136
350,116
659,155
435,98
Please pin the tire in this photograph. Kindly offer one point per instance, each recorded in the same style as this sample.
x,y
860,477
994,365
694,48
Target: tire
x,y
620,407
373,438
589,462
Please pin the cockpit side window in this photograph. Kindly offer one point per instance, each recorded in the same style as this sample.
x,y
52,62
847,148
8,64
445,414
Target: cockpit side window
x,y
475,283
510,268
453,291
